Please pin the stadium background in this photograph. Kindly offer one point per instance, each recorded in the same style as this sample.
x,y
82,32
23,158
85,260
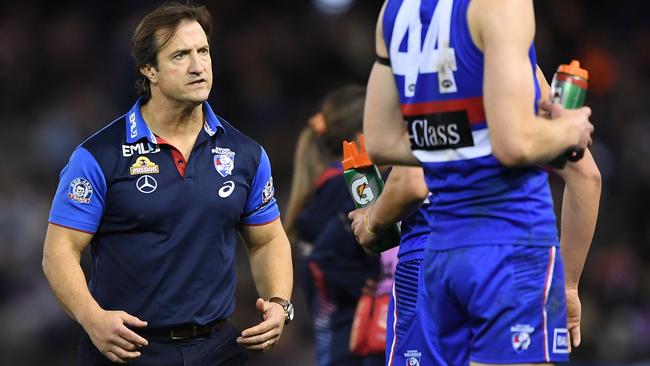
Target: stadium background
x,y
65,71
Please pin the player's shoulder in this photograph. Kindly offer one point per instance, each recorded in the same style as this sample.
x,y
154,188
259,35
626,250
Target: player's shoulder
x,y
105,145
239,140
110,136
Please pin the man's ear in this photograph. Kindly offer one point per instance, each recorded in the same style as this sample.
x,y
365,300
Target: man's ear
x,y
149,72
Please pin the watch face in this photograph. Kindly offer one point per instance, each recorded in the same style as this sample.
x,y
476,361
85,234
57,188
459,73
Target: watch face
x,y
289,310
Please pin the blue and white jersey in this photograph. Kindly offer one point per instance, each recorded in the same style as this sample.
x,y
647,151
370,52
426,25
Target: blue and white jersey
x,y
164,228
439,76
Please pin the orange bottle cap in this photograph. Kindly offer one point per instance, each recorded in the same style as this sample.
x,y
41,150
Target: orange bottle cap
x,y
574,69
353,158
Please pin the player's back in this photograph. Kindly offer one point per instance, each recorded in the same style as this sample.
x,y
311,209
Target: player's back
x,y
438,72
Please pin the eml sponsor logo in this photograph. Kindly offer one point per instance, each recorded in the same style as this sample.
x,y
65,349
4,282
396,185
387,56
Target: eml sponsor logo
x,y
140,148
560,340
521,336
412,357
133,125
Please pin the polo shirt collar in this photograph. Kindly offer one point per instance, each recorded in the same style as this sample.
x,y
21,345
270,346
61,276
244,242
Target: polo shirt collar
x,y
136,127
212,122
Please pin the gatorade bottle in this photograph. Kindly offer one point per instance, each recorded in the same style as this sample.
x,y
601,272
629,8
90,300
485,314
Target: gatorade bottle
x,y
569,88
365,185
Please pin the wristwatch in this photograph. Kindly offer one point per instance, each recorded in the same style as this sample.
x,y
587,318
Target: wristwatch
x,y
287,306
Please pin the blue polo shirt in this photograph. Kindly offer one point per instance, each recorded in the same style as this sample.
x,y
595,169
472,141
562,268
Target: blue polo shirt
x,y
164,228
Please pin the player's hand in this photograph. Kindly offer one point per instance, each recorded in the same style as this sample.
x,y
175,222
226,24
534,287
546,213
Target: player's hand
x,y
574,312
109,333
266,334
577,120
365,234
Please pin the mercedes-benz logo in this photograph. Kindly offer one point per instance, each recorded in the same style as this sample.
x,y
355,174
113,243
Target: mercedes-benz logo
x,y
146,184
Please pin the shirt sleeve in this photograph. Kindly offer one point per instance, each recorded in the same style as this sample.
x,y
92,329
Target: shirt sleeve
x,y
261,207
79,200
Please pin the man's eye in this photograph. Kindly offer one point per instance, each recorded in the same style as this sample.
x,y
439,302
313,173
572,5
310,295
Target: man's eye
x,y
179,56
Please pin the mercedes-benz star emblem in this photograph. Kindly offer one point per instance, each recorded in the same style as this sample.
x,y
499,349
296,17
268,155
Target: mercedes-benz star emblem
x,y
146,184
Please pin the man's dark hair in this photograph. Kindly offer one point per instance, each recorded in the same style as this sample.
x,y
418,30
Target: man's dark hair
x,y
145,44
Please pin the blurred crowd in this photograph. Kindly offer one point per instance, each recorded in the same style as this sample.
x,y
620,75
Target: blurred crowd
x,y
65,71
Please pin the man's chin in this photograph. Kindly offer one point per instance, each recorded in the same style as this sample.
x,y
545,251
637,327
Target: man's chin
x,y
198,98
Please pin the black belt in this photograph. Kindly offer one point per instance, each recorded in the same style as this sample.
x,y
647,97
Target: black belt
x,y
184,332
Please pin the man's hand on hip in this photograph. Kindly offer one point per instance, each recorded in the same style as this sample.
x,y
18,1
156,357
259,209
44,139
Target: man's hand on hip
x,y
109,333
267,333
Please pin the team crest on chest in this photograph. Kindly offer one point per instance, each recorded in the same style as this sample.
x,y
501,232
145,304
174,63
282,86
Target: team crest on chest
x,y
224,161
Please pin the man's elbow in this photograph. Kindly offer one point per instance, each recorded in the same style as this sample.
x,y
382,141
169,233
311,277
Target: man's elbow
x,y
511,155
46,264
591,175
377,150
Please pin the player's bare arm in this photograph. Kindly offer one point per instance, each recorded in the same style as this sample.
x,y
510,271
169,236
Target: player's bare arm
x,y
578,222
107,329
387,140
270,260
403,193
504,31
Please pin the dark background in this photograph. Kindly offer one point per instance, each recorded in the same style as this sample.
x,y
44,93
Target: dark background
x,y
65,71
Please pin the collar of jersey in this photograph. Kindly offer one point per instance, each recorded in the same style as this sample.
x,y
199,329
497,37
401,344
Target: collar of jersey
x,y
136,127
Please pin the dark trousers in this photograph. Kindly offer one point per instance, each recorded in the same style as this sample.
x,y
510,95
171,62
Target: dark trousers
x,y
219,349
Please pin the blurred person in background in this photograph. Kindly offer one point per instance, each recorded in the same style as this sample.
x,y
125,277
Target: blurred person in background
x,y
495,290
334,269
159,195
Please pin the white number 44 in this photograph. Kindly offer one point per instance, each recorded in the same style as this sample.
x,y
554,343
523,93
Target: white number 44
x,y
432,56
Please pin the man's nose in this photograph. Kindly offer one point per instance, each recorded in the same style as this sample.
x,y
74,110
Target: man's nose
x,y
195,67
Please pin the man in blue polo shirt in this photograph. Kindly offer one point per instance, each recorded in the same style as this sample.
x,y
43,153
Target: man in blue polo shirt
x,y
160,194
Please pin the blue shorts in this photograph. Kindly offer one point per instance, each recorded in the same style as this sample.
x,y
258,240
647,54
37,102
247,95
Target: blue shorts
x,y
495,304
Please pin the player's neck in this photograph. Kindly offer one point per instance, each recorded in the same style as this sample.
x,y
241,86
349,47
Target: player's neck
x,y
172,120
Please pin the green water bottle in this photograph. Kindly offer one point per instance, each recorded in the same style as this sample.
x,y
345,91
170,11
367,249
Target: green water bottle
x,y
365,185
569,88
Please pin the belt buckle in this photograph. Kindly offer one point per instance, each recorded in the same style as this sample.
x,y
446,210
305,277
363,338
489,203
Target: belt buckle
x,y
176,337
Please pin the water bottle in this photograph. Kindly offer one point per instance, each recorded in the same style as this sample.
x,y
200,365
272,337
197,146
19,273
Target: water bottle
x,y
365,185
569,88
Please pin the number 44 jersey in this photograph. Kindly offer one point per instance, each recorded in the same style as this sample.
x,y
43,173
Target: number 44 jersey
x,y
438,72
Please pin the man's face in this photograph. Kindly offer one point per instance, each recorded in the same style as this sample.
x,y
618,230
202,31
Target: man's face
x,y
80,190
184,70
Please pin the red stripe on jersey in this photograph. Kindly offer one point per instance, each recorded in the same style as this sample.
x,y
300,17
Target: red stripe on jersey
x,y
327,174
473,106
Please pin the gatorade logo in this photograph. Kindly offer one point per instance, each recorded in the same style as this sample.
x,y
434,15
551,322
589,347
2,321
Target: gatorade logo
x,y
361,191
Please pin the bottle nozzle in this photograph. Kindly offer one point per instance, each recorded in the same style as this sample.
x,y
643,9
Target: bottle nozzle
x,y
574,69
355,158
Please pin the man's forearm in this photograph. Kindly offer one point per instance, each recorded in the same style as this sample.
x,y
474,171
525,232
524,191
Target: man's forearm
x,y
579,215
403,193
63,271
272,269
